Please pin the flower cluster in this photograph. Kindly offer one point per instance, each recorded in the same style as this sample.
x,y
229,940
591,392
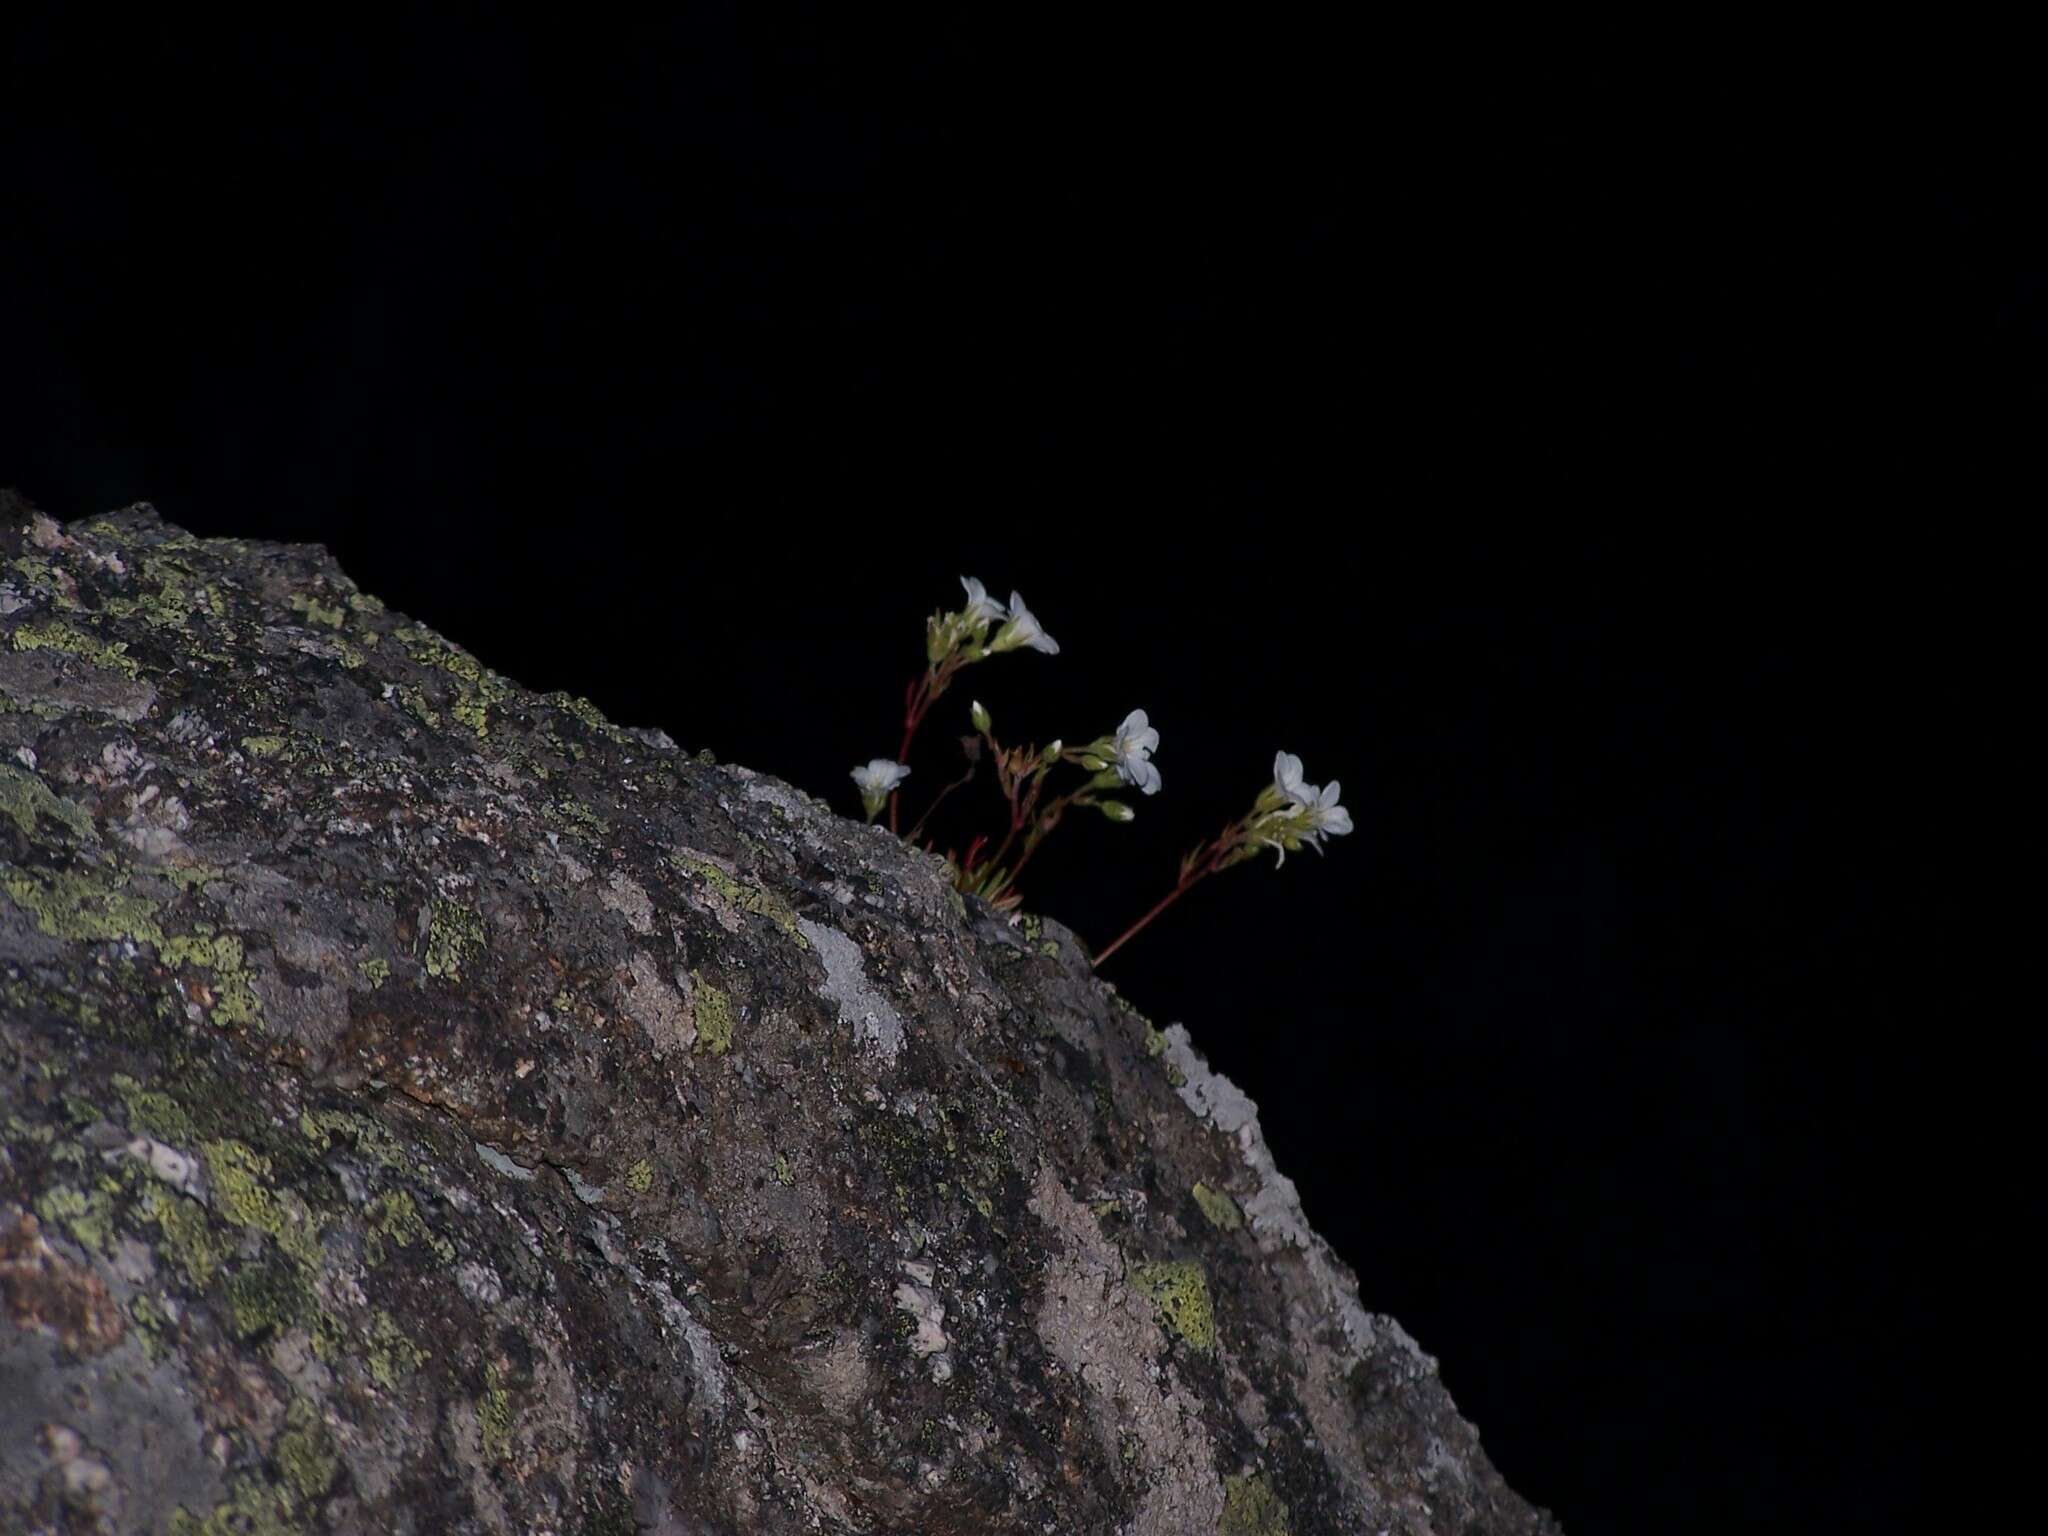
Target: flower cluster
x,y
1288,814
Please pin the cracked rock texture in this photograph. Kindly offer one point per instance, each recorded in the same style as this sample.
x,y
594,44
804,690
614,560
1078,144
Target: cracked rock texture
x,y
426,1106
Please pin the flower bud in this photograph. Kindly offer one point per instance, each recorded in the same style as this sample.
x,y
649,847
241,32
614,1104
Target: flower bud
x,y
1116,810
1052,753
980,716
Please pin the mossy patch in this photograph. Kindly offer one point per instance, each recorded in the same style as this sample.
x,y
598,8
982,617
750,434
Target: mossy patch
x,y
1221,1210
242,1194
233,990
88,1215
305,1457
55,635
67,904
25,799
455,932
1252,1508
186,1234
393,1220
1180,1289
154,1113
314,611
714,1016
391,1354
746,898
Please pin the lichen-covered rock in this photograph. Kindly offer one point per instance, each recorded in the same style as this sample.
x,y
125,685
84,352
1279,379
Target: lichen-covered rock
x,y
428,1107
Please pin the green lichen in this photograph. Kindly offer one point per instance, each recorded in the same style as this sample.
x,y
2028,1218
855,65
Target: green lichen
x,y
1180,1289
454,933
587,712
495,1415
1252,1508
371,1139
714,1016
54,635
1221,1210
235,1003
185,1233
577,814
305,1457
393,1220
242,1195
263,746
252,1508
374,971
88,1215
68,904
363,602
785,1175
478,688
150,1322
24,798
154,1113
745,897
316,611
391,1353
417,706
266,1297
640,1177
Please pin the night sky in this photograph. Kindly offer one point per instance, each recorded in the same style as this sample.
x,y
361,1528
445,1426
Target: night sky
x,y
1606,496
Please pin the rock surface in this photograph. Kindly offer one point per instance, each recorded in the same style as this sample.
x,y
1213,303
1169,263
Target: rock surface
x,y
428,1107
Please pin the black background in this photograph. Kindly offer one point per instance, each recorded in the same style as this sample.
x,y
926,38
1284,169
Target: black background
x,y
1604,492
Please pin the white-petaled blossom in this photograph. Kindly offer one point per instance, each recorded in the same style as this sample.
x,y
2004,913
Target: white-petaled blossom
x,y
880,776
1287,776
981,608
877,781
1131,751
1022,628
1326,818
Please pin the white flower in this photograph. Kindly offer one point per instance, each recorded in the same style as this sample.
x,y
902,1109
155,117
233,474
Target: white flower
x,y
981,608
1023,628
1131,749
879,777
1287,776
1326,818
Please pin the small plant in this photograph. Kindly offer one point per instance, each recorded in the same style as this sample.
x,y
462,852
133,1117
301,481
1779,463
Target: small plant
x,y
1288,813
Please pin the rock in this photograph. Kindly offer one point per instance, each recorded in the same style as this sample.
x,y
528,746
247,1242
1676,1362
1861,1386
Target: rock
x,y
428,1107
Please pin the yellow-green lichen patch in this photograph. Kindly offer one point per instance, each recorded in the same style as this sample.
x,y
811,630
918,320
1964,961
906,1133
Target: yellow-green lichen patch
x,y
714,1016
24,798
88,1215
185,1233
417,706
587,712
494,1414
370,1137
640,1177
391,1353
478,689
1252,1508
54,635
375,971
785,1174
393,1220
154,1113
232,990
242,1195
746,898
315,611
1221,1210
263,746
69,905
252,1508
305,1456
454,933
1180,1289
